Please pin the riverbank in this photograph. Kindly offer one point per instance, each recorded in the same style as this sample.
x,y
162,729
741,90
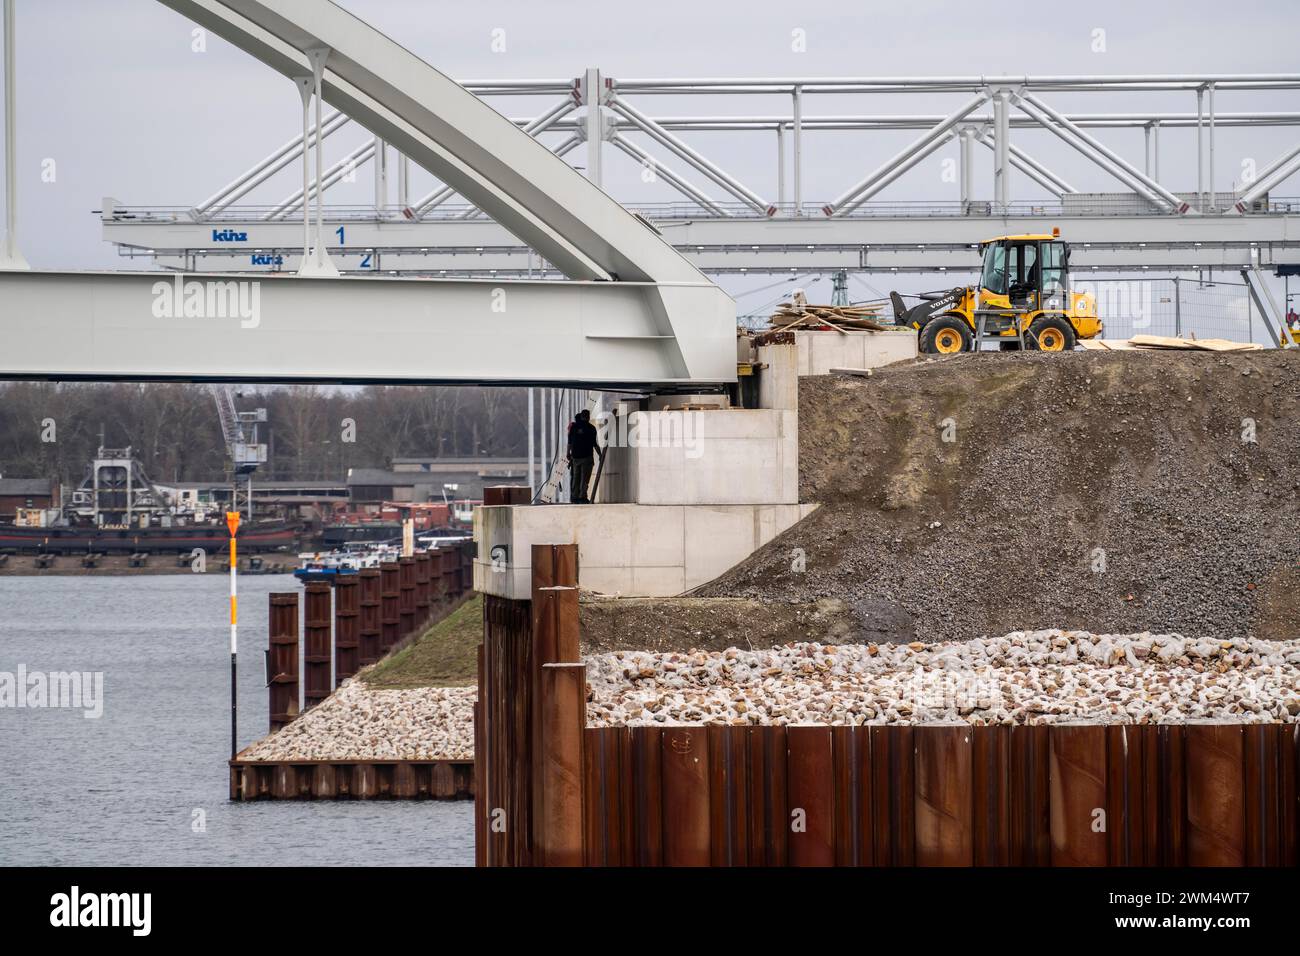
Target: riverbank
x,y
69,565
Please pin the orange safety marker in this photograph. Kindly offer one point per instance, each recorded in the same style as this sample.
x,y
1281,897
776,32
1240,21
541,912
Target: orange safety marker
x,y
232,522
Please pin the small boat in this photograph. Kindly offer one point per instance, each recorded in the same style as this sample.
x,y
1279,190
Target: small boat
x,y
328,566
440,537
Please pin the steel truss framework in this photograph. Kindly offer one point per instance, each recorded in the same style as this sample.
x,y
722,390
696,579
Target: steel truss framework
x,y
1144,225
634,312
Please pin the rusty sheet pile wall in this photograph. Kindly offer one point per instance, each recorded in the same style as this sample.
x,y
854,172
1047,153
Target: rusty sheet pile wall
x,y
941,795
318,605
370,628
521,638
282,660
553,791
346,626
353,780
390,620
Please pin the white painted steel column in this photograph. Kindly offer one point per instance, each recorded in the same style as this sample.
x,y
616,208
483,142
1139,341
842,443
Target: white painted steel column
x,y
561,432
967,167
320,263
780,165
11,257
545,472
1213,203
1200,149
1002,151
532,435
796,160
305,85
592,96
318,72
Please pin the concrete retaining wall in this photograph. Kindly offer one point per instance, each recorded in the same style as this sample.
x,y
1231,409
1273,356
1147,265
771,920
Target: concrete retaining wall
x,y
625,549
724,457
819,352
778,383
816,353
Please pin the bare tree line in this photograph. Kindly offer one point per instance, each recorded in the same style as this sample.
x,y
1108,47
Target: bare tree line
x,y
52,430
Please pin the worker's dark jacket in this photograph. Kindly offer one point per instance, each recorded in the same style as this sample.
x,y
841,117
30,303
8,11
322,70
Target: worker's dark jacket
x,y
582,439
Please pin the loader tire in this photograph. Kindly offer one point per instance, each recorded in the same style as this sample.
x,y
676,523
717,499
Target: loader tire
x,y
1051,333
945,335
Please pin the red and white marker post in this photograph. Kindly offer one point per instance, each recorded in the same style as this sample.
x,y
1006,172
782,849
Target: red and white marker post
x,y
232,522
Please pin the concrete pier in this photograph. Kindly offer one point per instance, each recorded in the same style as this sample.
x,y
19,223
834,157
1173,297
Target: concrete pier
x,y
690,487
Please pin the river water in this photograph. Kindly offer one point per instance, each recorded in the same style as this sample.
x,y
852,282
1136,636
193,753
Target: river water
x,y
146,782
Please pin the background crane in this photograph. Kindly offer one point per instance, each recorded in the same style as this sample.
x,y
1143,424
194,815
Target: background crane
x,y
246,453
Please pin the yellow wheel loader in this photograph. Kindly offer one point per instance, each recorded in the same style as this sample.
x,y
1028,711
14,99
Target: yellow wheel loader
x,y
1023,299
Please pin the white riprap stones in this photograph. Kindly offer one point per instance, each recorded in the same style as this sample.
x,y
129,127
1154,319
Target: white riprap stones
x,y
1020,678
358,723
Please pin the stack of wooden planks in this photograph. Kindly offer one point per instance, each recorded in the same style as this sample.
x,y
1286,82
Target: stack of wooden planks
x,y
798,314
1160,342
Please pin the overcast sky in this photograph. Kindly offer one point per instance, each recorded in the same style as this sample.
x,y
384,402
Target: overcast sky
x,y
113,93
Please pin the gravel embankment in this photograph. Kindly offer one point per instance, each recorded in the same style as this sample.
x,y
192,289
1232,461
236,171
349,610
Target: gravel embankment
x,y
356,723
1021,678
983,494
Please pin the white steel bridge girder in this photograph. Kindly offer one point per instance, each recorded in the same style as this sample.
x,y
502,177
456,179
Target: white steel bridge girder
x,y
211,327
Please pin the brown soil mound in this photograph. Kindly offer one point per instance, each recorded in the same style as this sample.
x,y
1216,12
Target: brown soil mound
x,y
1110,492
708,624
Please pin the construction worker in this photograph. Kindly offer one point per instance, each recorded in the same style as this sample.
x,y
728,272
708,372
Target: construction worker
x,y
583,446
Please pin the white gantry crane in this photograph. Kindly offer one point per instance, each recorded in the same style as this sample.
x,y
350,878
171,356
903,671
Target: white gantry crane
x,y
246,453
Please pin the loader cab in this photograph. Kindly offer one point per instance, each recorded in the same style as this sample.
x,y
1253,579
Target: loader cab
x,y
1032,271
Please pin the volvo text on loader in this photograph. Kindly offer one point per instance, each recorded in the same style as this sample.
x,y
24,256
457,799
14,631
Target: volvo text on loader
x,y
1023,301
